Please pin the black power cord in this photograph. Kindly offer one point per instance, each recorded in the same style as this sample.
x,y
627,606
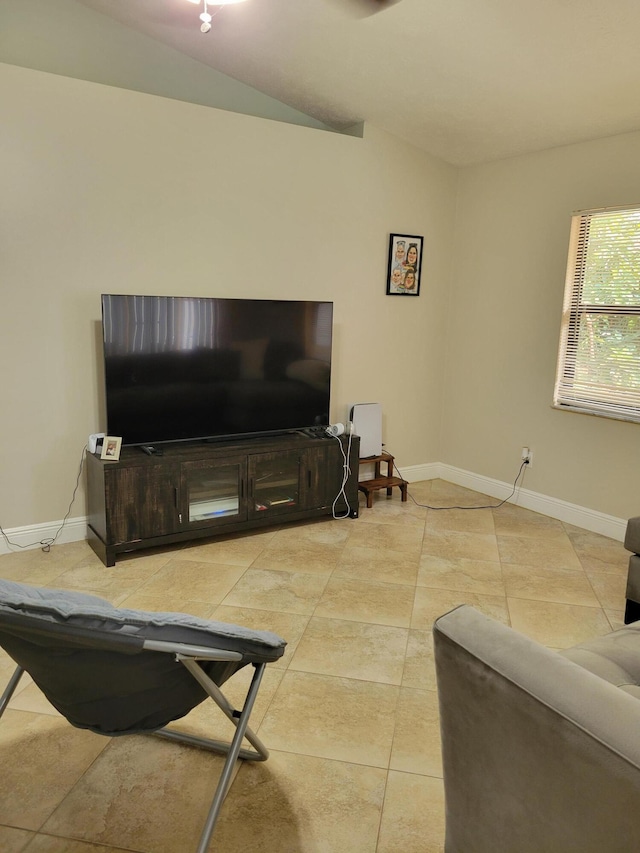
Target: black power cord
x,y
49,541
485,506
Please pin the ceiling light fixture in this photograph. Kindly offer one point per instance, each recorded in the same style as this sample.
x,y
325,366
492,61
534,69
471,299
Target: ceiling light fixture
x,y
205,16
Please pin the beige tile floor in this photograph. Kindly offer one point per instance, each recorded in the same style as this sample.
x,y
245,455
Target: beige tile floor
x,y
350,713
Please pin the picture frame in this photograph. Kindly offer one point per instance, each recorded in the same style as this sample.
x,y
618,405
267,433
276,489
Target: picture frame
x,y
405,265
111,445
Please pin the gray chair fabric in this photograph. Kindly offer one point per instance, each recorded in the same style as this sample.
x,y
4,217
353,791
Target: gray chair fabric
x,y
116,671
541,750
88,657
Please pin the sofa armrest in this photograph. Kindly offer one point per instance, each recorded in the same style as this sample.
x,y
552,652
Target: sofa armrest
x,y
538,753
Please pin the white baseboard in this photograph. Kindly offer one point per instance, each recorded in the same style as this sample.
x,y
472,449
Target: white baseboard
x,y
416,473
587,519
75,529
32,536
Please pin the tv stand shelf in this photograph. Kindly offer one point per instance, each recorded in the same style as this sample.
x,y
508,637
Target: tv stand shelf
x,y
200,489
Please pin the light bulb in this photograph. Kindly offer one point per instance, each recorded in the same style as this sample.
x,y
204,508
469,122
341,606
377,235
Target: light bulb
x,y
206,17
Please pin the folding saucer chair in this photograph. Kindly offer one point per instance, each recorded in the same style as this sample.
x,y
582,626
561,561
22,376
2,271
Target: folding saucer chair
x,y
117,671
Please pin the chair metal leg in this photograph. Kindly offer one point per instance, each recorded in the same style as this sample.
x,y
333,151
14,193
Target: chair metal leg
x,y
227,770
233,750
10,689
261,752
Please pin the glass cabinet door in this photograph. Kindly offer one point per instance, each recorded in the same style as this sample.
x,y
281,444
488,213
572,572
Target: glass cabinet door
x,y
274,482
213,493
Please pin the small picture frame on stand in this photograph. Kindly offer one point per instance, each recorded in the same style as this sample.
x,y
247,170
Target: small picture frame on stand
x,y
405,265
111,445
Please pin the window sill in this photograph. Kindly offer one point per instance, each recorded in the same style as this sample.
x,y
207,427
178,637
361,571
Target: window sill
x,y
579,410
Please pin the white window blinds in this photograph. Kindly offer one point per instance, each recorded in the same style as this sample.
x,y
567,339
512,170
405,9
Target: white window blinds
x,y
599,357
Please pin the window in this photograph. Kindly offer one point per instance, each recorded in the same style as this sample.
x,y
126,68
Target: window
x,y
599,358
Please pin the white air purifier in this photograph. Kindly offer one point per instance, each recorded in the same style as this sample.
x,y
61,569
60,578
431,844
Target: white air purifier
x,y
367,423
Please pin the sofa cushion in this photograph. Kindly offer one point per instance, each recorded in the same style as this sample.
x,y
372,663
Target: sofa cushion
x,y
614,658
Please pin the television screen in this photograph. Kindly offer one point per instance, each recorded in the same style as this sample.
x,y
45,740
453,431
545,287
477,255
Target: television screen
x,y
180,368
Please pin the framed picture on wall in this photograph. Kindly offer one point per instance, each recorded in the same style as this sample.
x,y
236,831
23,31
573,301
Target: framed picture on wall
x,y
405,265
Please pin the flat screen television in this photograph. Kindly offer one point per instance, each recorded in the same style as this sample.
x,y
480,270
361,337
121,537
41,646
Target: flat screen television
x,y
183,368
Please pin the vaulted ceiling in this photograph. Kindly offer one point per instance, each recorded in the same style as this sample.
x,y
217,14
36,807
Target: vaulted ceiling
x,y
466,80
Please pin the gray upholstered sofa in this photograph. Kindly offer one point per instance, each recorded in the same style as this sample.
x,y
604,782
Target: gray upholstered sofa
x,y
541,750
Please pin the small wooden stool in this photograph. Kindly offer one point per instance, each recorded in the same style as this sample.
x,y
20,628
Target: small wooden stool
x,y
379,481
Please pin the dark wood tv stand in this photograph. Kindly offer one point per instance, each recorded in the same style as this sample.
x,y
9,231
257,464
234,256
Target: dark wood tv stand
x,y
196,490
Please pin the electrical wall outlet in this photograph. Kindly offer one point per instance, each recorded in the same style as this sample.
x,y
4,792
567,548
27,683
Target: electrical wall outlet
x,y
527,456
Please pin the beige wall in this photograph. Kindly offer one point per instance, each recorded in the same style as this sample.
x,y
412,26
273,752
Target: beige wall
x,y
512,236
107,190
